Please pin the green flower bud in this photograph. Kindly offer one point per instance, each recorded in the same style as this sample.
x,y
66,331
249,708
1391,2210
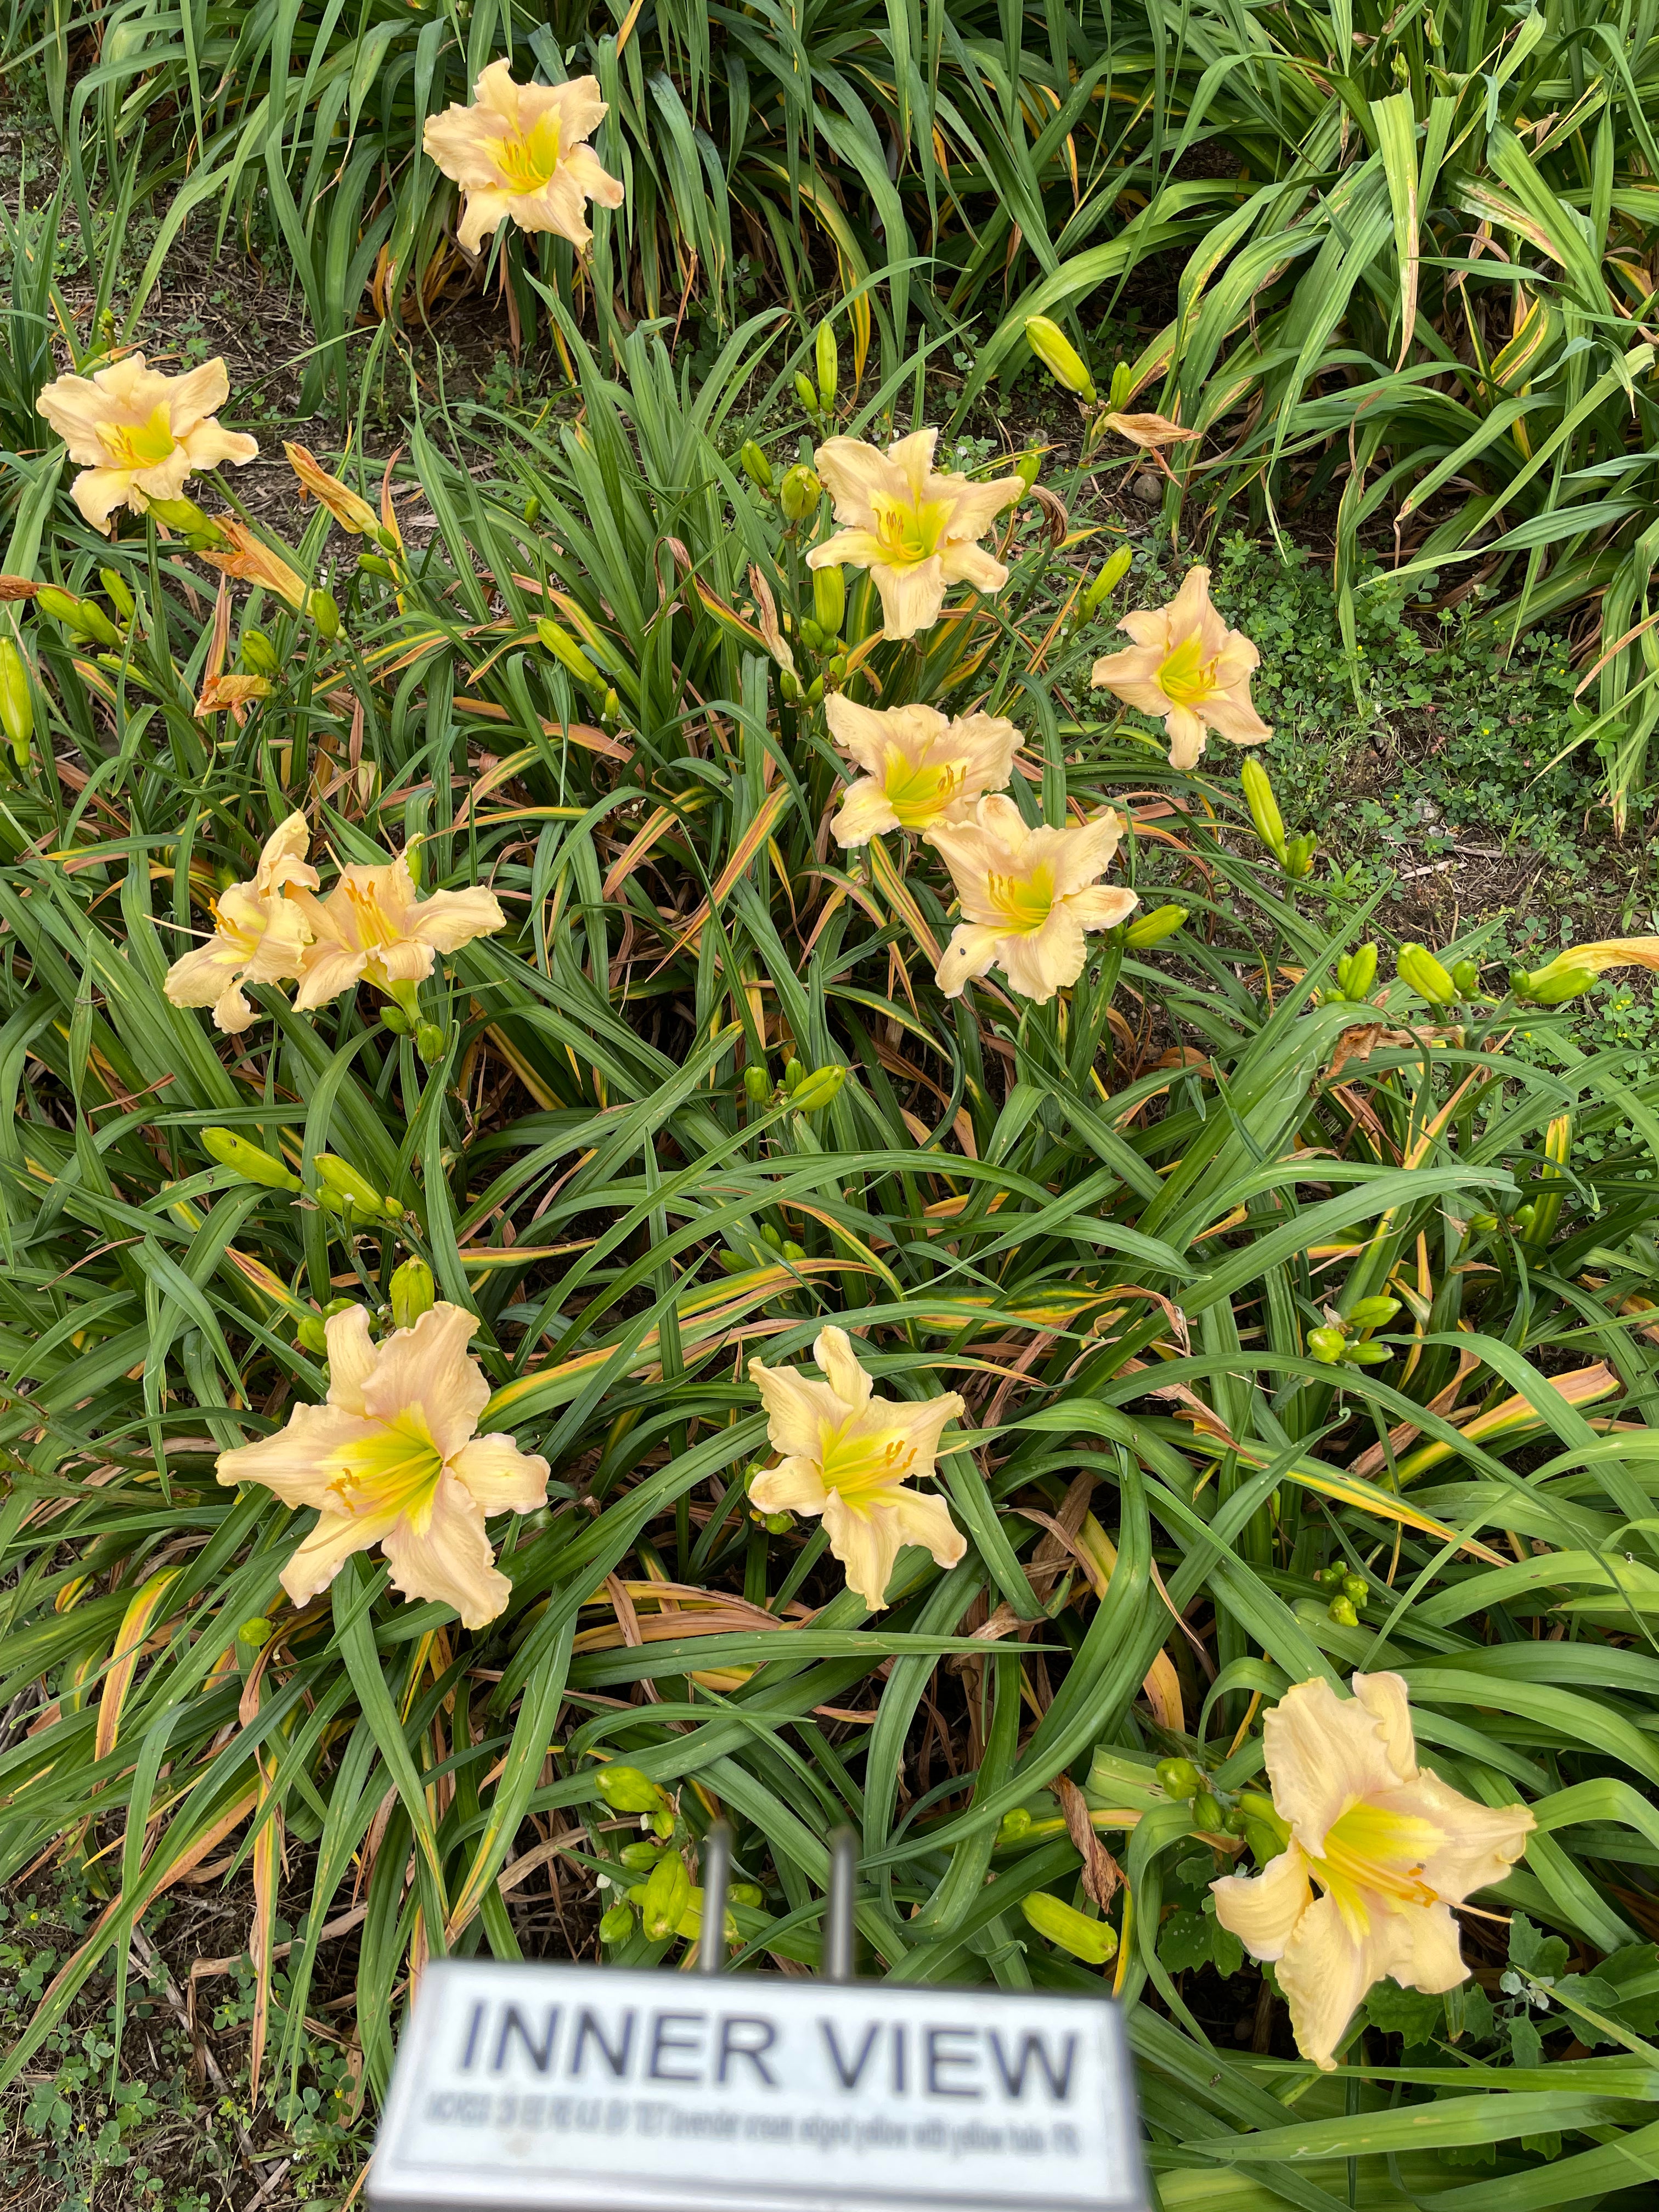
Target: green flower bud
x,y
617,1923
1418,967
625,1789
815,691
309,1332
667,1893
1466,978
747,1892
250,1161
395,1019
1094,1942
791,1251
255,1633
1265,1844
1486,1222
798,492
372,565
1299,857
756,1084
1373,1313
564,647
533,510
430,1042
806,392
1029,467
1343,1613
1355,1588
642,1855
185,514
778,1524
788,685
259,653
811,635
413,1293
1180,1779
1264,807
1207,1813
16,701
793,1075
828,601
1256,1805
1356,972
63,606
1233,1821
325,613
1366,1355
1115,568
1326,1345
838,668
829,366
1059,356
1149,929
756,466
342,1188
1015,1825
1550,986
116,592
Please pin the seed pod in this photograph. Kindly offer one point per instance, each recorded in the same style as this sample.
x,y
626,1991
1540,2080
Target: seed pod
x,y
1207,1813
617,1923
413,1293
815,691
1094,1942
639,1856
259,653
1059,356
778,1524
1265,1844
1149,929
1180,1779
309,1332
798,492
533,510
747,1892
255,1633
828,601
251,1162
625,1789
667,1893
829,366
1355,1588
1015,1825
1418,967
1264,807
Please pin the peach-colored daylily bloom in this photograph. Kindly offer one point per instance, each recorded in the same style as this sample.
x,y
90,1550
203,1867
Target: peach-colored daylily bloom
x,y
392,1457
1390,1845
1028,898
848,1454
374,925
912,527
349,510
1190,670
920,768
139,435
259,933
255,562
520,150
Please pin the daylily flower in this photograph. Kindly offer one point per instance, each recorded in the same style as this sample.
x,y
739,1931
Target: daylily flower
x,y
1390,1845
255,562
259,932
1028,897
138,435
848,1454
1189,669
231,691
520,150
392,1457
920,768
373,924
912,527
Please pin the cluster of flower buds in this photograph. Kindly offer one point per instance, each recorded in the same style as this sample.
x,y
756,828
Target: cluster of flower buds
x,y
1346,1338
1356,973
1216,1812
1431,979
808,1093
662,1900
1349,1589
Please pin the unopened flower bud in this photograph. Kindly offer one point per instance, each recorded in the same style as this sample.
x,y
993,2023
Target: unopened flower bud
x,y
430,1042
339,1186
1418,967
828,601
1149,929
250,1161
1372,1313
1059,356
413,1292
617,1923
310,1332
564,648
756,1084
1207,1813
1029,467
533,510
1264,807
16,701
806,392
829,366
793,1075
814,1091
1550,986
1356,972
259,653
1299,856
1366,1355
756,466
185,514
667,1893
115,590
1466,978
625,1789
325,613
1094,1942
1114,569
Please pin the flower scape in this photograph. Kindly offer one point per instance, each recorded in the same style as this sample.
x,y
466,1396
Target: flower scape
x,y
676,1157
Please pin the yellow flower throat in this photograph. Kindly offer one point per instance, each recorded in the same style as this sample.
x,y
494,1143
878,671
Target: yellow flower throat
x,y
395,1469
1186,677
1370,1851
909,530
139,445
527,159
863,1468
1023,903
919,790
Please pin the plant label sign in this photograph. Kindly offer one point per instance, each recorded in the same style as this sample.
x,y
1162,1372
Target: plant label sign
x,y
601,2089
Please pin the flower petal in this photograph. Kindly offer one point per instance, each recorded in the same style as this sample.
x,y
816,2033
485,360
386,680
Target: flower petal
x,y
199,977
208,443
329,970
1262,1910
500,1478
99,492
925,1520
1186,734
352,1359
316,1561
427,1367
449,920
293,1464
1481,1841
856,549
972,953
1324,1971
833,1353
854,474
444,1554
798,1409
866,1544
865,811
793,1485
484,214
1104,907
1038,962
1324,1753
